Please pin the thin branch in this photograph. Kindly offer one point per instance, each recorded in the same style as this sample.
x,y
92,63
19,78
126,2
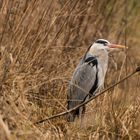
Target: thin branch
x,y
93,97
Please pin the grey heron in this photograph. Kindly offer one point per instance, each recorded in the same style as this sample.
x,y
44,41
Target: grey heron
x,y
89,75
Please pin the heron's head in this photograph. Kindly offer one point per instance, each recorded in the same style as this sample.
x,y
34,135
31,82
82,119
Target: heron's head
x,y
103,46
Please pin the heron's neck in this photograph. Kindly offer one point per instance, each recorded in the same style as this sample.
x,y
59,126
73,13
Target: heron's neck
x,y
101,55
102,58
102,68
103,63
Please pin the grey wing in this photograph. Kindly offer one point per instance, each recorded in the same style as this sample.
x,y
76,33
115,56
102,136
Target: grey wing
x,y
82,82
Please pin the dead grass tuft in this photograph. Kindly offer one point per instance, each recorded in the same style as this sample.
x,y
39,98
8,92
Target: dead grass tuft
x,y
41,43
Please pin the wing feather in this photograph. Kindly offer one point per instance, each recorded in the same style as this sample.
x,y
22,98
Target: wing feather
x,y
83,80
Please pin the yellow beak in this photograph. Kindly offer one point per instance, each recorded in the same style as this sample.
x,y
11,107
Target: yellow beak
x,y
116,46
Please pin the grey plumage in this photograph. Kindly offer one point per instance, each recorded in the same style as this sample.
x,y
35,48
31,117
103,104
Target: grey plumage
x,y
89,75
83,80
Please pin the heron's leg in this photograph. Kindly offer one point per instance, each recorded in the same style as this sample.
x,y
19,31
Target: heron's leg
x,y
80,113
84,109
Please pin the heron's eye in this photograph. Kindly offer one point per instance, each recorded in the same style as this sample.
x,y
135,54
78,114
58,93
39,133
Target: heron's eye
x,y
105,44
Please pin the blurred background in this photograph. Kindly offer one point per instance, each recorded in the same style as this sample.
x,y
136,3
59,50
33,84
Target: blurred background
x,y
41,42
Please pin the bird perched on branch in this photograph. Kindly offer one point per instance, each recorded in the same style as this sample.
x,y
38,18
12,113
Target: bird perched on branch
x,y
89,75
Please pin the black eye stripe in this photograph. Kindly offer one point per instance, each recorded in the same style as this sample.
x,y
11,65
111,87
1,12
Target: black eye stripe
x,y
102,42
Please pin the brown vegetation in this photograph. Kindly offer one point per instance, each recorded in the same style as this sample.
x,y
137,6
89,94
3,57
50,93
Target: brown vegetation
x,y
41,42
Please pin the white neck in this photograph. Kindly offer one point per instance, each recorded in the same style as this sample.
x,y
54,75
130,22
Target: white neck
x,y
102,56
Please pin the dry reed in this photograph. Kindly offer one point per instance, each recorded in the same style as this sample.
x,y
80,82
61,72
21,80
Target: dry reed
x,y
41,43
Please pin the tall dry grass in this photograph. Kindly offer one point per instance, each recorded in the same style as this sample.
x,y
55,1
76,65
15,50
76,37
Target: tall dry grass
x,y
41,43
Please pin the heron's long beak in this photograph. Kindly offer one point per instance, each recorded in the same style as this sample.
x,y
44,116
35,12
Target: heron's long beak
x,y
116,46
